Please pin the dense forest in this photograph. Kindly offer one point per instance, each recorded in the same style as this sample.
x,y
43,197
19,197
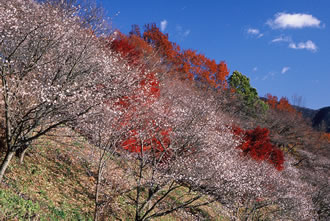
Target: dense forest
x,y
166,131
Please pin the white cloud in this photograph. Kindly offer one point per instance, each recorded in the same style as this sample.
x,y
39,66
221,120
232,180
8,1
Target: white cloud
x,y
308,45
163,25
255,32
182,33
270,74
186,33
285,69
282,39
286,20
255,69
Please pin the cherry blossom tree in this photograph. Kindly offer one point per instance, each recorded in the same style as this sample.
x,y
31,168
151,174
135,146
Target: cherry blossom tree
x,y
102,127
218,166
110,126
182,138
54,69
164,129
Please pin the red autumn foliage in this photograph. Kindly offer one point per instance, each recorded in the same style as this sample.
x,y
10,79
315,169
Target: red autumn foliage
x,y
272,100
256,143
149,87
197,66
284,105
281,105
132,53
326,137
188,63
158,140
127,50
221,74
160,42
158,144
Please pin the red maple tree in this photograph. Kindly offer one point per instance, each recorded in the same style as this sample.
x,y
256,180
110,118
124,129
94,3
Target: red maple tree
x,y
281,105
158,138
256,143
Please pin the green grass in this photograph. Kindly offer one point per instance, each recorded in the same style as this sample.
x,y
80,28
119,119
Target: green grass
x,y
14,206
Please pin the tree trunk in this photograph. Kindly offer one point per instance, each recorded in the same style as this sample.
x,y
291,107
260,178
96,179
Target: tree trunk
x,y
98,181
21,155
97,190
5,164
20,152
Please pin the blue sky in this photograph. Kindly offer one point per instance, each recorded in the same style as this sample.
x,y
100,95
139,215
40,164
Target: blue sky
x,y
283,46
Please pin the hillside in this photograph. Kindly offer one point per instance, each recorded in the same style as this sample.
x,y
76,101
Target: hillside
x,y
307,112
57,182
99,125
58,178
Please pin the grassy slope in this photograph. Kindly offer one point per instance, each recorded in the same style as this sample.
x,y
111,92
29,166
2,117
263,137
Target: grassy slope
x,y
56,182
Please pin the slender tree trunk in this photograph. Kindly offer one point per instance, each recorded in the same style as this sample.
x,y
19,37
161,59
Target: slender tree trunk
x,y
9,153
97,191
138,188
20,152
98,182
21,155
5,163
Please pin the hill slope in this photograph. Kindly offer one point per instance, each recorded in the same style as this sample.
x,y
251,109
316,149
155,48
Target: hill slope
x,y
57,182
306,112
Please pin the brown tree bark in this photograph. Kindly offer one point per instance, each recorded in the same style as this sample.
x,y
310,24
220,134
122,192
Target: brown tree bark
x,y
5,164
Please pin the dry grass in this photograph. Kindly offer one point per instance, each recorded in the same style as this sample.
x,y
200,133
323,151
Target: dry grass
x,y
58,178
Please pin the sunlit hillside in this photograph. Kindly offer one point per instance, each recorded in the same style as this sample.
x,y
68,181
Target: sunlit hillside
x,y
97,124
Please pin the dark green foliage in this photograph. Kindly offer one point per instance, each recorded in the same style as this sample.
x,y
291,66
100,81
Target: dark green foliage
x,y
240,84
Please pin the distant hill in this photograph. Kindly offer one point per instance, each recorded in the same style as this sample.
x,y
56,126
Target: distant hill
x,y
306,112
321,120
